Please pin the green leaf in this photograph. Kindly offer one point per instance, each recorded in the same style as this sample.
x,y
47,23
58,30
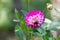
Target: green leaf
x,y
46,24
55,25
41,31
51,38
21,35
45,38
35,34
18,16
24,12
17,28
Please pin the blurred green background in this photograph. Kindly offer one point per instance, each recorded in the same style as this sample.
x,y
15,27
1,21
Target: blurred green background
x,y
7,15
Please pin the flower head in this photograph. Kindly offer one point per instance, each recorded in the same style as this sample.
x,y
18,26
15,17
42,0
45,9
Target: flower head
x,y
35,18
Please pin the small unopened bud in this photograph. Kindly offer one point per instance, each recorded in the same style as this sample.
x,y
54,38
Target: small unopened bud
x,y
49,6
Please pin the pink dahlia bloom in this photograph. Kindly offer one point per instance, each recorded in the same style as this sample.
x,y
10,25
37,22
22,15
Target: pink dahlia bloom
x,y
35,18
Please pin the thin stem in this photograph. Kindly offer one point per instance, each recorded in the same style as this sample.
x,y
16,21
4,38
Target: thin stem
x,y
28,4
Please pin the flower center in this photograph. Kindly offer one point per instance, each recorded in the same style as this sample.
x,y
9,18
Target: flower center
x,y
35,22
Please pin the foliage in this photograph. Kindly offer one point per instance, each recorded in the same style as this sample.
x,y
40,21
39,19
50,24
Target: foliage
x,y
44,31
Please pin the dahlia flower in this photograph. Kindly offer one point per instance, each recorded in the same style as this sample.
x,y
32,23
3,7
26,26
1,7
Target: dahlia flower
x,y
35,18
